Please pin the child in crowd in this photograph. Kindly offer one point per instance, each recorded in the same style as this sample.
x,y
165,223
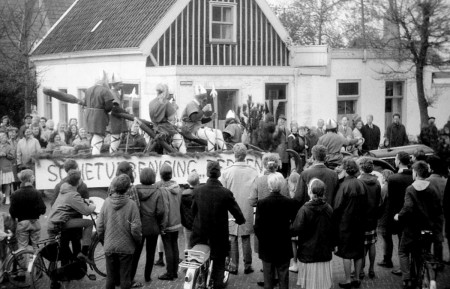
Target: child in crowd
x,y
119,227
7,156
292,185
26,207
172,200
152,214
186,208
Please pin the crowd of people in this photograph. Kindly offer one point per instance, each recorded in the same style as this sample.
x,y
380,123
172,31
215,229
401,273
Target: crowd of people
x,y
297,223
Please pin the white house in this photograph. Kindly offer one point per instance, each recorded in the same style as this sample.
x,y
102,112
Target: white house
x,y
237,46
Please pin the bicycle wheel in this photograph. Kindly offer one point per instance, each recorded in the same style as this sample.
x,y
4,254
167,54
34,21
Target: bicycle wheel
x,y
41,272
97,254
16,268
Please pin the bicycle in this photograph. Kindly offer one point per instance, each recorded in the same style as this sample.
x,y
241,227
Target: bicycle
x,y
54,263
199,267
424,264
15,266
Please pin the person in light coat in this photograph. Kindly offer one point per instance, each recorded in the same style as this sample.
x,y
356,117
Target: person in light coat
x,y
240,178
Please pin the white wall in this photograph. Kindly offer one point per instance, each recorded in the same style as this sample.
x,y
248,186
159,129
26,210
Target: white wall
x,y
78,73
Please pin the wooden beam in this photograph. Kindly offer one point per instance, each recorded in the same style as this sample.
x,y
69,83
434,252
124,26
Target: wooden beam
x,y
193,32
188,36
240,34
204,32
251,32
170,45
266,42
198,32
246,32
261,37
182,38
176,41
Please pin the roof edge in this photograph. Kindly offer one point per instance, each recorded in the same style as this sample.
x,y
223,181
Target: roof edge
x,y
273,19
162,26
54,25
87,54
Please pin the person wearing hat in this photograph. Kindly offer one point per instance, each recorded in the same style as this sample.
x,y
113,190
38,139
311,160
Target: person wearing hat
x,y
210,207
429,134
27,119
334,142
163,115
281,136
117,125
195,115
233,128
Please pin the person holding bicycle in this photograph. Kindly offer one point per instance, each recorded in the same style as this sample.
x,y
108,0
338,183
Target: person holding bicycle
x,y
66,209
210,208
421,211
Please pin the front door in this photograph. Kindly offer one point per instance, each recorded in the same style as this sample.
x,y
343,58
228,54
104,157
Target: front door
x,y
276,99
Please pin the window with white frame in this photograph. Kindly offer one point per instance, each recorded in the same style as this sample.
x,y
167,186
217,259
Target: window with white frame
x,y
81,109
348,92
48,107
222,22
63,110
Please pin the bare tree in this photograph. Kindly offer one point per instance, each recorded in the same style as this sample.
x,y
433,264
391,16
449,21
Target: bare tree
x,y
419,35
22,24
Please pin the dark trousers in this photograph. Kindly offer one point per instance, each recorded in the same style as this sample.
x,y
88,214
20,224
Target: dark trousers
x,y
438,250
118,270
388,246
150,248
170,242
282,270
218,271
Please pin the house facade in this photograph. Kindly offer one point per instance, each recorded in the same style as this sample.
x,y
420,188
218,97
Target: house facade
x,y
238,47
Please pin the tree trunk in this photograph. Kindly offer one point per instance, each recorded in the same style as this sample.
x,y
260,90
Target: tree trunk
x,y
423,103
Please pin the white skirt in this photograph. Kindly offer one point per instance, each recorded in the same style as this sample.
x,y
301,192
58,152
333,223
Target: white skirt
x,y
315,275
6,178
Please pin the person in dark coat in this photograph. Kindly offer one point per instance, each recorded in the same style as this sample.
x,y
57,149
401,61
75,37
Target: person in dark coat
x,y
296,143
186,208
320,171
210,208
152,214
397,185
396,133
349,218
429,134
99,102
281,137
373,212
313,226
446,207
274,214
421,210
371,134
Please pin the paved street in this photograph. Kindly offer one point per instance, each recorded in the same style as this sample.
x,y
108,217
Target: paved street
x,y
383,280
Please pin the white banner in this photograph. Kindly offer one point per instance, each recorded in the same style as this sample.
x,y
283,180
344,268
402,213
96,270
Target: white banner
x,y
99,171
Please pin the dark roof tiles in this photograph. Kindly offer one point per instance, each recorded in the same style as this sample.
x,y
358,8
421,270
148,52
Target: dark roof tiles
x,y
125,24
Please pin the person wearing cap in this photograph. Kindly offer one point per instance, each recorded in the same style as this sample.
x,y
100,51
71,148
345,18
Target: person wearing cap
x,y
163,115
239,178
395,135
334,142
99,101
195,115
429,134
28,120
281,135
210,208
233,128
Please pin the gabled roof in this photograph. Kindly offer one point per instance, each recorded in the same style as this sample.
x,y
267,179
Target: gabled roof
x,y
124,24
96,26
56,8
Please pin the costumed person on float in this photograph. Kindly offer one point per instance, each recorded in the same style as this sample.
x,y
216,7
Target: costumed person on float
x,y
334,142
233,128
117,125
99,102
163,116
195,115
